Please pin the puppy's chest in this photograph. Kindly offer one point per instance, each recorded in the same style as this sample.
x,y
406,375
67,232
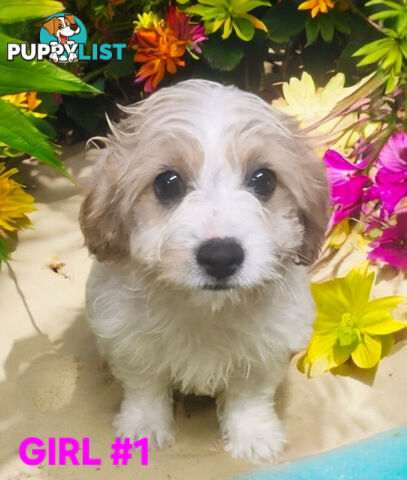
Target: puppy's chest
x,y
201,358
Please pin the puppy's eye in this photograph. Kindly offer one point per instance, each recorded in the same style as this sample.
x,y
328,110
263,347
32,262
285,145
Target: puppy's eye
x,y
169,186
60,25
262,183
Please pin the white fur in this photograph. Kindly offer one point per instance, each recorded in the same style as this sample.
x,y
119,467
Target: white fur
x,y
156,325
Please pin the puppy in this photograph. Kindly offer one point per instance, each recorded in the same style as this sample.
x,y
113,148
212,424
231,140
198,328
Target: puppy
x,y
62,28
205,209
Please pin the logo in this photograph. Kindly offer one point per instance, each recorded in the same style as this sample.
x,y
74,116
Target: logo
x,y
63,40
64,33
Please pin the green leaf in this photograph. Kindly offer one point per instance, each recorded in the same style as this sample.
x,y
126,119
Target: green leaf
x,y
311,30
222,55
40,76
389,3
384,14
205,12
372,47
17,131
327,29
391,84
283,21
12,11
4,253
390,33
391,57
373,57
341,21
244,28
403,48
250,5
43,126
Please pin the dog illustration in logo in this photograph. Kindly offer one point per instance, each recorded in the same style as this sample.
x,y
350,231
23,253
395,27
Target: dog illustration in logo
x,y
63,28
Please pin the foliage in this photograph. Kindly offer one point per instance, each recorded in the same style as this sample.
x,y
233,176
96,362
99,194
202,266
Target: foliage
x,y
24,130
338,66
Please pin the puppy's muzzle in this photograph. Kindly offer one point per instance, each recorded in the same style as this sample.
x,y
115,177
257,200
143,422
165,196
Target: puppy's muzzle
x,y
220,257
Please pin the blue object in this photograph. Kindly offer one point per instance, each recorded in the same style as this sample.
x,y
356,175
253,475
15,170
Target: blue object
x,y
382,457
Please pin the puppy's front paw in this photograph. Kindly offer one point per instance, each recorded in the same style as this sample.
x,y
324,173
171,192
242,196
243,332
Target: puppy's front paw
x,y
131,424
255,441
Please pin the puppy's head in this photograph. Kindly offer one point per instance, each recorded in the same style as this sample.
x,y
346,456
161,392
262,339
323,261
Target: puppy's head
x,y
62,27
206,187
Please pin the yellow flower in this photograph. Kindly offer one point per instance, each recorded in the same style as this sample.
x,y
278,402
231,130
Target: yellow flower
x,y
316,6
338,235
26,101
309,105
147,21
348,325
14,202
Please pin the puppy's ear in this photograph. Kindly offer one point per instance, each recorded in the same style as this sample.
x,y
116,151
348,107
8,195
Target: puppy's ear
x,y
101,217
70,18
306,177
51,25
314,212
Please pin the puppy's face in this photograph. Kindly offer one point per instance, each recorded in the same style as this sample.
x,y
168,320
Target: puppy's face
x,y
206,187
62,27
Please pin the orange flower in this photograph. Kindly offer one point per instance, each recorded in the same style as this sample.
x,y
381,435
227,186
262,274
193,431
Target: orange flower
x,y
160,51
161,44
316,6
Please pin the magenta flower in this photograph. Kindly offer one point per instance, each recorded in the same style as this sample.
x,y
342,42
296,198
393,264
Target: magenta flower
x,y
390,185
392,161
346,185
391,247
388,194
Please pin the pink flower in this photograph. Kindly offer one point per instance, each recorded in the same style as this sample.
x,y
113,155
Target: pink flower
x,y
389,195
391,247
180,24
392,161
346,185
390,185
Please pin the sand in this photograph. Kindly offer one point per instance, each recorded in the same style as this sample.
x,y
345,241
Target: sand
x,y
52,384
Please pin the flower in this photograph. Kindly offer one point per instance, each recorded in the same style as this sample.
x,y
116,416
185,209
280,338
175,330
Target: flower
x,y
391,246
316,6
147,21
26,101
232,15
390,186
348,324
179,23
392,160
389,195
14,202
161,44
346,185
309,105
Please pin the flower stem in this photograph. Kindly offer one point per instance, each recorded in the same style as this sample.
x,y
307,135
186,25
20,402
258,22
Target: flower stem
x,y
375,25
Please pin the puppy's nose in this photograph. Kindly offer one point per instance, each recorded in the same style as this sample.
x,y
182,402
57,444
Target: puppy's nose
x,y
74,27
220,257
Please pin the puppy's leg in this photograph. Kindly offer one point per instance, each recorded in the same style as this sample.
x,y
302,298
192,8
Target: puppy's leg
x,y
146,411
249,424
